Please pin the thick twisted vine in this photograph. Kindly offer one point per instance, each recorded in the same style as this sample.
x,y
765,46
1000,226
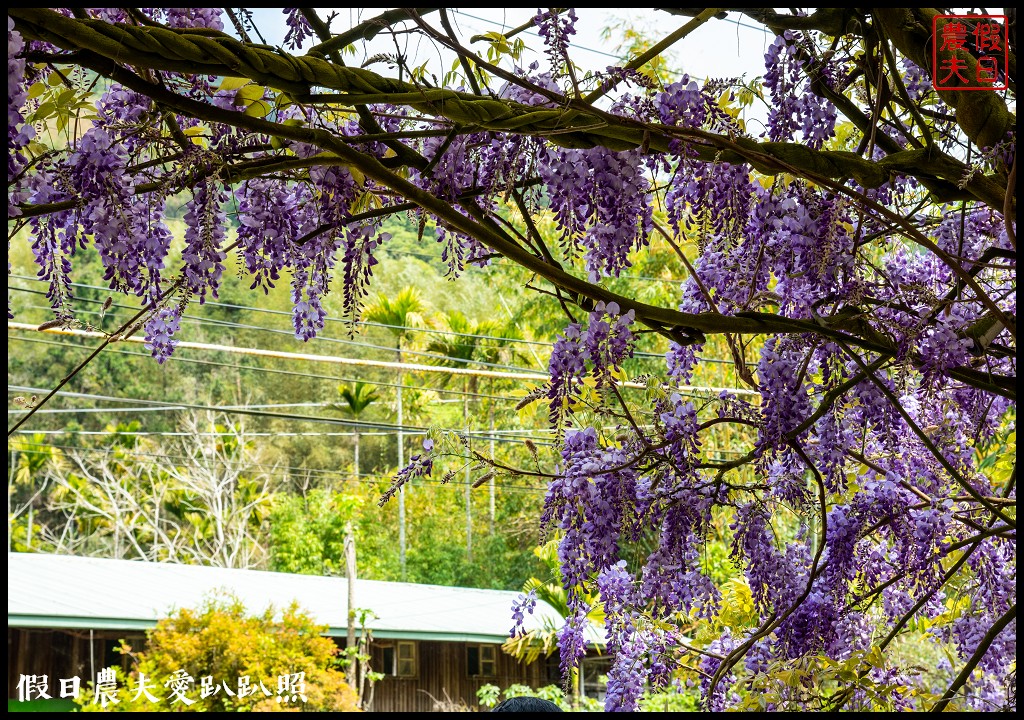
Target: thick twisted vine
x,y
575,125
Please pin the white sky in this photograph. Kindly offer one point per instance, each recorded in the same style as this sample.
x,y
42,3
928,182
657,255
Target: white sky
x,y
721,48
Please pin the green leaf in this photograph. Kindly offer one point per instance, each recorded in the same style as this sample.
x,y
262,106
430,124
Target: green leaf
x,y
43,112
258,108
875,658
66,97
791,678
249,94
233,83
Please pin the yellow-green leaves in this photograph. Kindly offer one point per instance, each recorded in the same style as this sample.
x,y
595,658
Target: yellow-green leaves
x,y
737,608
36,90
197,135
233,83
500,45
59,103
251,97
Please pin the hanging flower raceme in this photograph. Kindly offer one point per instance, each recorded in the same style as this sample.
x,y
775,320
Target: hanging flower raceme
x,y
128,229
311,279
608,340
604,344
794,106
595,490
420,465
601,201
270,217
523,605
868,455
556,29
203,256
566,368
18,132
298,28
160,331
786,402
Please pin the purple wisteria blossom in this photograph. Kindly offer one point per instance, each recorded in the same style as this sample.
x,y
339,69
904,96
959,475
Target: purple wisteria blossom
x,y
846,270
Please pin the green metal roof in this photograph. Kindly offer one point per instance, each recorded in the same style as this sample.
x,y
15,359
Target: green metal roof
x,y
57,591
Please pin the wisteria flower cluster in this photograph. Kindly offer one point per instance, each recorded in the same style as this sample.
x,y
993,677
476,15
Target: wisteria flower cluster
x,y
854,260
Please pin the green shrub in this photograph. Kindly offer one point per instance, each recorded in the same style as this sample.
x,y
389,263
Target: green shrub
x,y
222,642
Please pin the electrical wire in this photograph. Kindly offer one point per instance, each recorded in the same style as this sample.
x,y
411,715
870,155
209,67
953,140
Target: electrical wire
x,y
402,367
514,436
177,358
714,454
250,308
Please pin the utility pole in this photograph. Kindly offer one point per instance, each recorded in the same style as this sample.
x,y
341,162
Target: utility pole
x,y
469,503
350,577
401,464
490,483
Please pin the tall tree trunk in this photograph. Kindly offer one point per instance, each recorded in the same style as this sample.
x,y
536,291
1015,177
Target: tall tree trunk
x,y
401,464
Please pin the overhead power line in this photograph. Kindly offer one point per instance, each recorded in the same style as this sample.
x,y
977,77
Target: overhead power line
x,y
68,343
303,357
320,338
283,313
180,359
714,454
390,365
177,433
496,435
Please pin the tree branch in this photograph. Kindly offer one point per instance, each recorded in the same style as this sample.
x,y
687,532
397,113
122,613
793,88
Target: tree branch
x,y
979,653
575,124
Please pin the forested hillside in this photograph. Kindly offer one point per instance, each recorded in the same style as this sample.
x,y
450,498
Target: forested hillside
x,y
724,364
280,432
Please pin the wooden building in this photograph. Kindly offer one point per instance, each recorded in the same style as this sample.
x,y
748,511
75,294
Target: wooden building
x,y
436,645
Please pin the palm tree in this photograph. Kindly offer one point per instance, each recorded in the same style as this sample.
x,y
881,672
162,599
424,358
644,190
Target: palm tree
x,y
486,341
462,346
459,349
398,316
497,350
357,397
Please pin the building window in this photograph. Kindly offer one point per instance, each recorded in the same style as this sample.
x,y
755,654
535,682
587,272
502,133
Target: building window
x,y
399,659
387,660
405,665
481,660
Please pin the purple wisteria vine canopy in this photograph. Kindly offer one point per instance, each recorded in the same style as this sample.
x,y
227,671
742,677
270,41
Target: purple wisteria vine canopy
x,y
854,254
